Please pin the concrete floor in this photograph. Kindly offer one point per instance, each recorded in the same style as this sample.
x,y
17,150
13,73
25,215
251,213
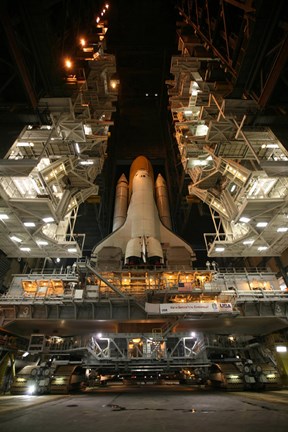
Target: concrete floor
x,y
147,408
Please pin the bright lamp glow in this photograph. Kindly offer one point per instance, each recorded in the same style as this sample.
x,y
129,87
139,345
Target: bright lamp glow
x,y
29,224
42,243
201,130
48,219
87,129
262,224
244,219
219,249
281,349
31,389
25,249
16,239
24,144
282,229
4,216
248,242
198,162
87,162
77,147
72,250
262,248
269,146
68,64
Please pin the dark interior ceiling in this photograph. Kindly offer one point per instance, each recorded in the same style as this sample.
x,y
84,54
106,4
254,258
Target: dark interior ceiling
x,y
37,36
142,35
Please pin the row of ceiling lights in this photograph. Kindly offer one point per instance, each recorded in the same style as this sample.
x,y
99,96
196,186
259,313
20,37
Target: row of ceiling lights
x,y
4,216
82,41
39,243
16,239
262,224
248,242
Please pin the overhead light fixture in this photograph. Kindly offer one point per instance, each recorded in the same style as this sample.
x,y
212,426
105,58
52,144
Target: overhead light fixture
x,y
262,248
48,219
16,239
244,219
248,242
199,162
194,92
219,249
72,250
261,224
42,243
86,162
25,249
281,348
201,130
282,229
29,224
87,129
24,144
68,63
269,146
77,147
187,112
4,216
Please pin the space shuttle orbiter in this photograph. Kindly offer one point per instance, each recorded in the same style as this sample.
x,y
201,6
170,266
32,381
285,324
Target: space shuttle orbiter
x,y
142,225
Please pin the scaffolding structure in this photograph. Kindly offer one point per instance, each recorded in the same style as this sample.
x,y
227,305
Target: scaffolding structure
x,y
239,170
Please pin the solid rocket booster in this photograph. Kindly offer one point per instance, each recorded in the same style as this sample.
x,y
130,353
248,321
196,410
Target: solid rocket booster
x,y
121,202
138,233
162,201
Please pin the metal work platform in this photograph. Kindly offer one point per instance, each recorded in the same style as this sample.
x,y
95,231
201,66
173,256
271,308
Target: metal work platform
x,y
238,169
51,168
146,321
159,304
